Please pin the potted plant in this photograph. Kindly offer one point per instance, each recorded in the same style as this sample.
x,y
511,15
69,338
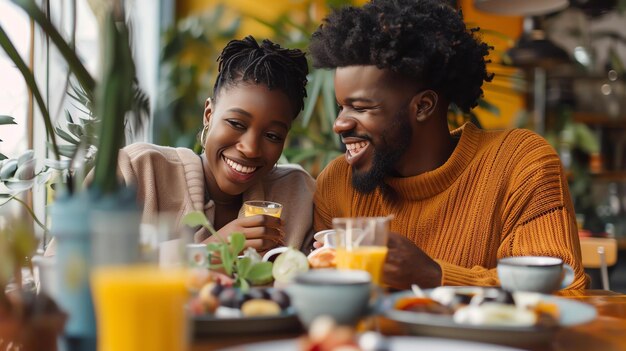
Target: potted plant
x,y
28,321
110,98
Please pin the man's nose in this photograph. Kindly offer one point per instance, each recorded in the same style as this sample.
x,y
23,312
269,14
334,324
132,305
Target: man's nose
x,y
343,124
250,146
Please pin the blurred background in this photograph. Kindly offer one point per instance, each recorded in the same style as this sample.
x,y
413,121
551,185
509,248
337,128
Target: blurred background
x,y
560,71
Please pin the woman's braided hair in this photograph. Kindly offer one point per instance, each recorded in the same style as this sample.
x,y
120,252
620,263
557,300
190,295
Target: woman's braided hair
x,y
278,68
426,40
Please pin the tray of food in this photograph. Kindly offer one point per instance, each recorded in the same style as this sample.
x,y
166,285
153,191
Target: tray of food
x,y
485,314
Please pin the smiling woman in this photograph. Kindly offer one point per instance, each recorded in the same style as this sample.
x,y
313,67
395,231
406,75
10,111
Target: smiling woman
x,y
258,92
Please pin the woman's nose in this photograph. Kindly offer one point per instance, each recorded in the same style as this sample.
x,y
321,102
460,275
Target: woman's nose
x,y
250,146
343,124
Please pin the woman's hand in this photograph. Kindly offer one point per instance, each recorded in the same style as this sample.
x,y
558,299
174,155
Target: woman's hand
x,y
407,264
262,232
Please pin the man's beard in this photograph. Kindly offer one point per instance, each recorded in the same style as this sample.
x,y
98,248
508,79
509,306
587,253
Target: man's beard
x,y
385,156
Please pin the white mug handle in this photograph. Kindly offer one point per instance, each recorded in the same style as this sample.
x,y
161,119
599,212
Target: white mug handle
x,y
568,277
274,251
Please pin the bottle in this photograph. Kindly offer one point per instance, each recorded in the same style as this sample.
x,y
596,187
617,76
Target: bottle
x,y
610,209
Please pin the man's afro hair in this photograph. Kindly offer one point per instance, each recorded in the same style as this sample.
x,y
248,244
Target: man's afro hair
x,y
423,39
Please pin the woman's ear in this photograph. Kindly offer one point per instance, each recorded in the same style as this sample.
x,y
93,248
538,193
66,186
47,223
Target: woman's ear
x,y
424,104
208,110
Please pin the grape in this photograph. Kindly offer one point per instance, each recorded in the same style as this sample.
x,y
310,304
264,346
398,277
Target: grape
x,y
217,289
245,297
259,293
281,298
229,298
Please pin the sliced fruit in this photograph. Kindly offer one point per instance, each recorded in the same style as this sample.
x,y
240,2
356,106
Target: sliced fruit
x,y
289,264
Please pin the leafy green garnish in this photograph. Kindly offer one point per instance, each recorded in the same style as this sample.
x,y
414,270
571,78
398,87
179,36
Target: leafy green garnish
x,y
243,269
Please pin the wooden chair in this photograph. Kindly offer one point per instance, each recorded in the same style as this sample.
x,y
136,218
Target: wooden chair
x,y
599,253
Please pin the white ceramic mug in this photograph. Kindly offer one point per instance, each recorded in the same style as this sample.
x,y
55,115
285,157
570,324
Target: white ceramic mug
x,y
326,237
534,273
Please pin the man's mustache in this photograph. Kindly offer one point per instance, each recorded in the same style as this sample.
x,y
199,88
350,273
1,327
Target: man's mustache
x,y
352,134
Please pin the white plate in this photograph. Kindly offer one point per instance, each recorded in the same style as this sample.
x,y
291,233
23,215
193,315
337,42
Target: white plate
x,y
397,343
571,313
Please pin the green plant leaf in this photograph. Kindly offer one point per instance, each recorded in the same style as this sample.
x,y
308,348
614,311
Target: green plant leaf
x,y
29,78
313,91
67,150
260,273
243,266
213,247
74,63
7,120
194,219
304,154
66,136
586,139
242,284
76,129
227,259
237,242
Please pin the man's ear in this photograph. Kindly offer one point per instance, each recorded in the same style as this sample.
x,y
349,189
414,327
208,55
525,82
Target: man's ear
x,y
424,104
208,110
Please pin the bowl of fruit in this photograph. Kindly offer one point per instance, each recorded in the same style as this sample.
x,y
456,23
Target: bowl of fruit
x,y
220,309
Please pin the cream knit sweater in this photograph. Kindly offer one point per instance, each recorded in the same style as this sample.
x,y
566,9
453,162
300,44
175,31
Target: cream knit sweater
x,y
171,180
501,193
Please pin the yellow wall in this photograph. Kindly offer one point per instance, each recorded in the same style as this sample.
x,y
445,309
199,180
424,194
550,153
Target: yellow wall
x,y
499,92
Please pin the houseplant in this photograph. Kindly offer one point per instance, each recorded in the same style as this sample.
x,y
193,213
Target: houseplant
x,y
111,98
28,321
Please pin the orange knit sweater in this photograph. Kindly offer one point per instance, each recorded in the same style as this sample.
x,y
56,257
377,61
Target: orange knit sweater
x,y
501,193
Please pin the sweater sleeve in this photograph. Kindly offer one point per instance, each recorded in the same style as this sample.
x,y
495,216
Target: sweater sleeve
x,y
557,238
537,217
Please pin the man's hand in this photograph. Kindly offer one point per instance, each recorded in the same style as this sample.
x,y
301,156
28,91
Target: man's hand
x,y
262,232
407,264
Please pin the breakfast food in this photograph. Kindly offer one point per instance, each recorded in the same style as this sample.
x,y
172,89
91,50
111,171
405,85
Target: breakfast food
x,y
289,264
325,335
323,257
259,307
227,302
479,306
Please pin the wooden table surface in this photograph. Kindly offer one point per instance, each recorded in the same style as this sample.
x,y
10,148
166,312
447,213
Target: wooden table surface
x,y
606,333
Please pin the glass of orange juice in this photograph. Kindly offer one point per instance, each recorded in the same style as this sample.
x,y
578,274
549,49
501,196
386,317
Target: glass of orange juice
x,y
140,308
362,244
253,208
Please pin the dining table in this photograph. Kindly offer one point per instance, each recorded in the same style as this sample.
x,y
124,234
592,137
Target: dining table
x,y
607,332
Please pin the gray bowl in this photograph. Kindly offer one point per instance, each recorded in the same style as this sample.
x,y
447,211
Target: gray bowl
x,y
343,295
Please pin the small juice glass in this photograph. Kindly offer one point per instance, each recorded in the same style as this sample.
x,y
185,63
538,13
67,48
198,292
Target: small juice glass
x,y
253,208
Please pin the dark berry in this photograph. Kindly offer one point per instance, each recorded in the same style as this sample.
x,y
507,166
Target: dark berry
x,y
229,298
281,298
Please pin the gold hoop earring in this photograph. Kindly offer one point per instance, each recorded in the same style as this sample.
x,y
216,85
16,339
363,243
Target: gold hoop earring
x,y
203,134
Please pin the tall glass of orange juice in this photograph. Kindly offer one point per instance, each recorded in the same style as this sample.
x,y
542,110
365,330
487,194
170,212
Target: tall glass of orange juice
x,y
140,308
253,208
362,244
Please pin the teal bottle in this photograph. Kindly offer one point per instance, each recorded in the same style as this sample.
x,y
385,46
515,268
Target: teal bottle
x,y
71,228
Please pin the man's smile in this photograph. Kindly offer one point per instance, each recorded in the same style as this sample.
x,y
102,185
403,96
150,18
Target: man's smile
x,y
356,150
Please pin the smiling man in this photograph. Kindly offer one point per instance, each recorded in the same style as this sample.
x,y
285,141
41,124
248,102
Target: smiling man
x,y
461,199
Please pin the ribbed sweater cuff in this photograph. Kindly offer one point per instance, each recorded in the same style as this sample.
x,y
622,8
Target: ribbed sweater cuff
x,y
456,275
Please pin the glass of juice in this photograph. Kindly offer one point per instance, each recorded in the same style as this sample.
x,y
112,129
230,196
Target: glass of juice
x,y
362,244
253,208
140,308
